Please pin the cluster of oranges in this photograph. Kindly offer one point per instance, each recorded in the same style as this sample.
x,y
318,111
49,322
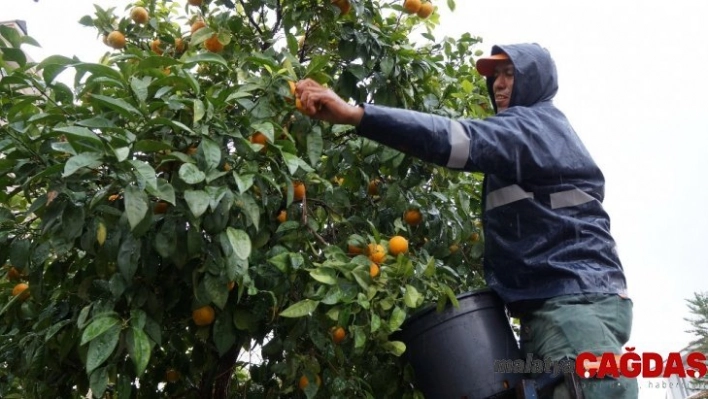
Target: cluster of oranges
x,y
21,288
116,39
423,10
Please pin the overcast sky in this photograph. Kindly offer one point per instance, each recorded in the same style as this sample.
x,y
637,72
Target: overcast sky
x,y
632,83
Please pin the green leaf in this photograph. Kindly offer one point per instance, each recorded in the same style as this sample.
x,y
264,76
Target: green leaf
x,y
467,86
266,128
451,5
199,111
395,348
191,174
101,348
300,309
121,106
99,70
136,205
98,381
83,160
324,275
205,57
280,261
78,133
217,290
164,191
240,242
398,316
19,250
97,122
13,55
412,298
150,146
97,327
198,201
51,331
144,173
375,322
314,146
250,207
128,256
292,162
212,153
224,332
157,61
140,87
139,348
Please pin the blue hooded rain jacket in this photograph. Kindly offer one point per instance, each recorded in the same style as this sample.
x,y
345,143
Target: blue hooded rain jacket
x,y
546,232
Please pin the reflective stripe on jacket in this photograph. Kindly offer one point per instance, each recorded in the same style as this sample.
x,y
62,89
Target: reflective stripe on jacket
x,y
546,232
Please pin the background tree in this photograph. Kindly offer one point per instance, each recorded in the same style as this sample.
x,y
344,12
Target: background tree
x,y
699,328
172,226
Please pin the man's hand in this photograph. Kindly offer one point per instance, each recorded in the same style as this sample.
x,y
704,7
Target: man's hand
x,y
322,103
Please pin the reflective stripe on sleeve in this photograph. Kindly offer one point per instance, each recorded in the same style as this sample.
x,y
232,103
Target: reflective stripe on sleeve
x,y
459,146
506,195
569,198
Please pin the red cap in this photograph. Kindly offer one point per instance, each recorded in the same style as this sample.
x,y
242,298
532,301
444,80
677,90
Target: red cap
x,y
486,65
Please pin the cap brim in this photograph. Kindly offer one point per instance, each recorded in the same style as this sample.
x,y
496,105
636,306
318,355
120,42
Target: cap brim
x,y
485,66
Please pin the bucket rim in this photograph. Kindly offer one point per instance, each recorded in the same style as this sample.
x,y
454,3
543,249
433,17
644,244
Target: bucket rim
x,y
433,307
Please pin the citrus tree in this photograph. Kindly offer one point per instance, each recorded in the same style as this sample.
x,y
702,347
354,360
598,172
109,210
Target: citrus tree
x,y
172,226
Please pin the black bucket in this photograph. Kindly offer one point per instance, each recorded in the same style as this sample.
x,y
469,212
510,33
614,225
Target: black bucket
x,y
453,352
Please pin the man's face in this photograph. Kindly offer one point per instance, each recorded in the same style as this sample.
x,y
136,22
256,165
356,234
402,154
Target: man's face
x,y
503,83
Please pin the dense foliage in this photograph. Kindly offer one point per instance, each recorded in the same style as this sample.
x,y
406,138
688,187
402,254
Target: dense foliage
x,y
172,226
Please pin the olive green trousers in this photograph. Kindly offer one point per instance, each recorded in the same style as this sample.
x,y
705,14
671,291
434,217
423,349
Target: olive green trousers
x,y
568,325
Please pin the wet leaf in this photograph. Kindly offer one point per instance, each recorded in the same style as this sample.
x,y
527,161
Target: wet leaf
x,y
139,348
101,348
300,309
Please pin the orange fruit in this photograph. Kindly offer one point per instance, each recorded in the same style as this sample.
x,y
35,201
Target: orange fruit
x,y
397,245
413,217
299,107
116,39
231,285
343,6
374,270
113,197
21,290
338,335
197,25
454,248
179,45
474,237
139,15
155,47
196,3
13,274
259,138
304,382
376,253
425,10
373,188
353,249
412,6
299,191
160,208
291,84
172,375
191,150
227,167
213,44
203,316
282,216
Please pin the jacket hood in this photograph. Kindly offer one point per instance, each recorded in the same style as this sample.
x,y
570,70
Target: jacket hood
x,y
535,75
